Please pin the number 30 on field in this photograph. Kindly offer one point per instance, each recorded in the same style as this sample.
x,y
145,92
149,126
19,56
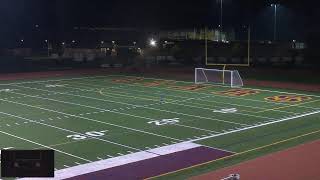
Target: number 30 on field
x,y
87,135
164,121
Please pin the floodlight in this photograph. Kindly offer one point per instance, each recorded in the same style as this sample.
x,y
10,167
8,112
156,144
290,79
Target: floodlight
x,y
153,43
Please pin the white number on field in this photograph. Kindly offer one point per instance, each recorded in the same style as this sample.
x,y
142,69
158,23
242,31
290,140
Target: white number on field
x,y
225,111
87,135
164,121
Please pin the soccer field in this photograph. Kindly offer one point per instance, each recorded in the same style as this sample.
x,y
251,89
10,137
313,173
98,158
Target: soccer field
x,y
93,118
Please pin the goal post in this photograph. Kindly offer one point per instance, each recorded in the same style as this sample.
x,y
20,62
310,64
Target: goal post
x,y
216,76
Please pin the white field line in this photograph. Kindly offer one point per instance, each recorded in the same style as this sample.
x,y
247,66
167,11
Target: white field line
x,y
67,130
107,110
266,90
202,99
168,95
213,95
256,126
246,99
174,102
172,112
187,82
90,119
45,146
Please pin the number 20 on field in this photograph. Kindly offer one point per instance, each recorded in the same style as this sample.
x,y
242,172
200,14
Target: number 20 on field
x,y
164,121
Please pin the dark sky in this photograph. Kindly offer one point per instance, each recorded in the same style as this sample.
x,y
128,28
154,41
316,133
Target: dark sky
x,y
295,18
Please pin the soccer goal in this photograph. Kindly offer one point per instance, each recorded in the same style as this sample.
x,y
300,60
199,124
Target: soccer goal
x,y
215,76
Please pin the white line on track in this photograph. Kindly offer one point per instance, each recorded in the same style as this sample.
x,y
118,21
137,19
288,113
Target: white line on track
x,y
44,146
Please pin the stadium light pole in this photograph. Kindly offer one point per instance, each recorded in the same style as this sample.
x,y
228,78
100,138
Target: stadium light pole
x,y
221,15
275,21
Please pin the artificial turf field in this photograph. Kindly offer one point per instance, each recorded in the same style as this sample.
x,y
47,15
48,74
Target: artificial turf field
x,y
90,118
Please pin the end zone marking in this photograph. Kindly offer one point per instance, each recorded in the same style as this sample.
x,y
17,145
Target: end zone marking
x,y
292,105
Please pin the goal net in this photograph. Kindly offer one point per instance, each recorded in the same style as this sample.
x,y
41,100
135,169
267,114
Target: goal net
x,y
215,76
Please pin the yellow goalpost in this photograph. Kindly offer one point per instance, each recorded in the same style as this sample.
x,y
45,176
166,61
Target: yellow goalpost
x,y
247,64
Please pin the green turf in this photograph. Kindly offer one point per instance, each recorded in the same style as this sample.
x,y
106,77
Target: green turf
x,y
120,115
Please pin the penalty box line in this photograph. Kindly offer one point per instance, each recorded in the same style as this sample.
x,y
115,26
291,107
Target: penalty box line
x,y
256,126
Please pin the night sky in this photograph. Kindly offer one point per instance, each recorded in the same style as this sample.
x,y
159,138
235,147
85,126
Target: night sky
x,y
295,18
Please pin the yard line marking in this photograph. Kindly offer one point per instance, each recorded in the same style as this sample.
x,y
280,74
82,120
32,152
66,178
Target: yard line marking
x,y
200,99
188,82
213,119
89,119
195,128
216,95
99,158
256,126
106,110
244,114
44,146
77,163
69,142
66,166
17,124
110,156
169,102
67,130
58,117
8,124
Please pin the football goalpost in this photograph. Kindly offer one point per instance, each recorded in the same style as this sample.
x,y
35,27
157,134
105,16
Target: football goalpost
x,y
225,77
216,76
